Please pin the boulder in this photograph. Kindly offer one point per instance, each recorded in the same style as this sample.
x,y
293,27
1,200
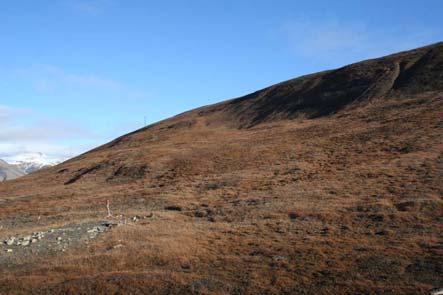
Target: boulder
x,y
10,241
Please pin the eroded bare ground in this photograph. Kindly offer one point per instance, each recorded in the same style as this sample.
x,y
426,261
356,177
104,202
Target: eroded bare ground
x,y
312,186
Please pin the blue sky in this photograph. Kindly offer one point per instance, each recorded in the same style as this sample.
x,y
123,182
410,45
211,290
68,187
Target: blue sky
x,y
77,73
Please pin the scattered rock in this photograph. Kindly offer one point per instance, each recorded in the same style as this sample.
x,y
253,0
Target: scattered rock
x,y
97,229
58,239
10,241
279,258
38,235
9,250
108,223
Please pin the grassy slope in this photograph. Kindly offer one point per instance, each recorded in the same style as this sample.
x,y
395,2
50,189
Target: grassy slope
x,y
344,203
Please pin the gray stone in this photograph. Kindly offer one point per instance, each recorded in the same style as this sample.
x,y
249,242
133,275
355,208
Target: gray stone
x,y
97,229
10,241
108,223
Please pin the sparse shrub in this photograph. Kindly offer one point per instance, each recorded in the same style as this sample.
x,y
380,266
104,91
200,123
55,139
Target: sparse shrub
x,y
173,208
293,215
218,184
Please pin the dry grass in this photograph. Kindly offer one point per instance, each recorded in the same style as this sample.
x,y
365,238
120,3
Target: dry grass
x,y
343,204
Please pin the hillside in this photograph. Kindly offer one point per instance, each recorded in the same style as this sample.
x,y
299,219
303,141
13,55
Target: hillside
x,y
329,183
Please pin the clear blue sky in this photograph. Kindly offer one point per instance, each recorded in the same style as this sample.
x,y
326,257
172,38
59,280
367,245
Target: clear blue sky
x,y
77,73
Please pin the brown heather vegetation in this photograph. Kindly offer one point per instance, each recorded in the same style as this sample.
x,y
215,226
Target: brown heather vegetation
x,y
326,184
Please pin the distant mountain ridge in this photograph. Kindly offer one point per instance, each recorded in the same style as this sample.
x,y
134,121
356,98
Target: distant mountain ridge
x,y
30,162
29,167
8,172
23,164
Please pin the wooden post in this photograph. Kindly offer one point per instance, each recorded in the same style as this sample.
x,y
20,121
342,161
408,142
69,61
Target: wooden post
x,y
109,209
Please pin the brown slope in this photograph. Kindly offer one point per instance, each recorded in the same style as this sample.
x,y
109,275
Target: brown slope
x,y
325,93
316,95
347,201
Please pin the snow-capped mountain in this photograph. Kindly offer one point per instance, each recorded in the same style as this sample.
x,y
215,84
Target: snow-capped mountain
x,y
30,162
